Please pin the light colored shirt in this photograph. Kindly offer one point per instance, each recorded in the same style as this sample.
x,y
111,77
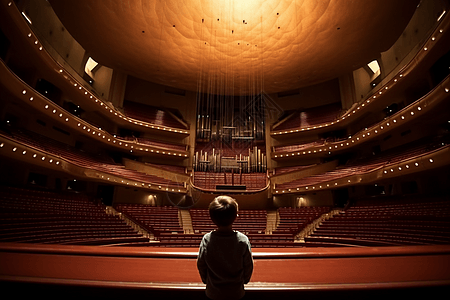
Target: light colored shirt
x,y
225,264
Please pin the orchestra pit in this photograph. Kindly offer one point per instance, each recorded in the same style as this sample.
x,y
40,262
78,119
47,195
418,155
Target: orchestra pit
x,y
327,121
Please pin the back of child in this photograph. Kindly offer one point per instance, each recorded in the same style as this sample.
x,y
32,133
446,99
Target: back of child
x,y
225,260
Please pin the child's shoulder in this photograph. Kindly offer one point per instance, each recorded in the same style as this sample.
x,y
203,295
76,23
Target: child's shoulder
x,y
241,236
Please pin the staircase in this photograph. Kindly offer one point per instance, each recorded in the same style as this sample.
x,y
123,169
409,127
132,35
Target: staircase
x,y
111,211
309,229
273,219
185,221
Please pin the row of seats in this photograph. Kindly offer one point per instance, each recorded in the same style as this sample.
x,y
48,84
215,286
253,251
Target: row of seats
x,y
102,163
34,216
156,143
293,220
403,223
248,221
298,147
151,114
164,223
367,164
171,168
311,116
209,180
283,170
161,144
157,220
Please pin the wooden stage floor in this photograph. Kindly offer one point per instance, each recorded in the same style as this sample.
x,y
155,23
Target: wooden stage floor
x,y
286,272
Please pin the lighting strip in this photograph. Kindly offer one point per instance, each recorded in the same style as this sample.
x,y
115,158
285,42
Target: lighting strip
x,y
427,46
412,111
56,112
412,165
76,84
24,152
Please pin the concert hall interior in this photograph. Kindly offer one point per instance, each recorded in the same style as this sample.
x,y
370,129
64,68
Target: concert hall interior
x,y
328,122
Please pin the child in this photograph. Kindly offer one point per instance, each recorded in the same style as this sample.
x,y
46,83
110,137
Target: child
x,y
225,260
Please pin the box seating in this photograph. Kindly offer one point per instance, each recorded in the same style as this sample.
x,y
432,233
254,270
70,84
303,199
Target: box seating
x,y
102,163
311,116
298,147
161,144
171,168
282,170
366,164
151,114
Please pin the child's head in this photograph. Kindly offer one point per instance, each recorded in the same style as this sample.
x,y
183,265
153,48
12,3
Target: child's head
x,y
223,210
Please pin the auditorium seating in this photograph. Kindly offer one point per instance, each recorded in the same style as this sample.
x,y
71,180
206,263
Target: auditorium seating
x,y
171,168
293,220
155,143
282,170
399,221
297,147
100,161
367,164
251,222
151,114
161,144
48,217
209,180
163,222
248,221
311,116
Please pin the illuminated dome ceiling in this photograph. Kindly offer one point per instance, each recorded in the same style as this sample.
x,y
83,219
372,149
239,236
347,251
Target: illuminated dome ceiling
x,y
235,46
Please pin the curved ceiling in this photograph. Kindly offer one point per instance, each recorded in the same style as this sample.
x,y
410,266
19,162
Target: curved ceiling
x,y
235,46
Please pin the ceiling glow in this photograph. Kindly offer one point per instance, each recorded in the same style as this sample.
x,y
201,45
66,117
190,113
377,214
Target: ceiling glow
x,y
234,47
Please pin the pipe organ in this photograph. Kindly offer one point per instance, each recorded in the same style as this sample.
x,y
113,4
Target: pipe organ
x,y
230,118
230,134
216,160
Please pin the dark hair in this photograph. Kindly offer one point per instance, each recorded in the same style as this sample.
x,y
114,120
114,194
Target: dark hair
x,y
223,210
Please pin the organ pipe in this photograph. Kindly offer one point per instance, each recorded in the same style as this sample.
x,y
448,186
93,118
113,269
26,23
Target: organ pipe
x,y
255,161
230,117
